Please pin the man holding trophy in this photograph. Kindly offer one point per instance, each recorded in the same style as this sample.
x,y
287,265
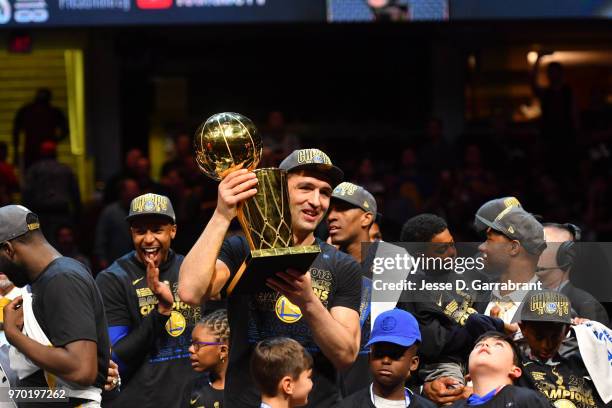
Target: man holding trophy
x,y
307,290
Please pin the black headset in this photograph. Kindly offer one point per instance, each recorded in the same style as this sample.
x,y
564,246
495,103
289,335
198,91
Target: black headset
x,y
566,254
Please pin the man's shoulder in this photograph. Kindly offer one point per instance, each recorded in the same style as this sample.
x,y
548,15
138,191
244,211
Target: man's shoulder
x,y
64,274
65,266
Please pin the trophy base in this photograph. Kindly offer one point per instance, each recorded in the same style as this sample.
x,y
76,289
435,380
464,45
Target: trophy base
x,y
265,263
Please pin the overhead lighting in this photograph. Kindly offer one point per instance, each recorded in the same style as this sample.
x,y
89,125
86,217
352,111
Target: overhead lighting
x,y
532,57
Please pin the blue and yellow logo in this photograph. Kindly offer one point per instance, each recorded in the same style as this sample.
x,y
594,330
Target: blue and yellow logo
x,y
175,326
286,311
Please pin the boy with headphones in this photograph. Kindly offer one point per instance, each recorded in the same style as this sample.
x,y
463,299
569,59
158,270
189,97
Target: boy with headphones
x,y
554,268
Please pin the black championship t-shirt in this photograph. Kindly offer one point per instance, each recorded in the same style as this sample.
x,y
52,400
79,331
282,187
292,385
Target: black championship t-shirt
x,y
564,381
336,280
68,308
160,378
202,394
510,397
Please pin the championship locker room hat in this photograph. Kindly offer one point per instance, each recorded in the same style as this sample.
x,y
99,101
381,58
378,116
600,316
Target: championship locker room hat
x,y
546,306
313,159
355,195
518,224
395,326
16,220
151,204
492,209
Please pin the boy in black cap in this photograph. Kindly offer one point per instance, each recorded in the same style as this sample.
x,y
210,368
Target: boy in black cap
x,y
393,356
319,308
545,321
150,328
66,306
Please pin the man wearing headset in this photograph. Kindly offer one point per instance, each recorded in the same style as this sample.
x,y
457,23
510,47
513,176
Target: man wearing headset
x,y
554,269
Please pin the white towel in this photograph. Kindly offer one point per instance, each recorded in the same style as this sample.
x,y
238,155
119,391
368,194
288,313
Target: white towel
x,y
383,300
595,344
24,367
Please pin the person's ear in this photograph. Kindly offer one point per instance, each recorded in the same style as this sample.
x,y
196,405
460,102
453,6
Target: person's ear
x,y
515,372
9,249
515,248
414,363
286,385
172,231
223,352
522,327
366,220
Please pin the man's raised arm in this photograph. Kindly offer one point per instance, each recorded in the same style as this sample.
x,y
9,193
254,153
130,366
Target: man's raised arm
x,y
201,275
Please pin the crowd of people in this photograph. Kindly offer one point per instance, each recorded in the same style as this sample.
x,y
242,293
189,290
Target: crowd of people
x,y
156,328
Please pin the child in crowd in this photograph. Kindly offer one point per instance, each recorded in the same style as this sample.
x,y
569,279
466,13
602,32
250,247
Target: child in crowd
x,y
393,346
545,321
209,355
494,365
282,370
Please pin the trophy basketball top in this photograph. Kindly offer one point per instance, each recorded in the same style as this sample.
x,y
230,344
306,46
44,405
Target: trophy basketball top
x,y
227,142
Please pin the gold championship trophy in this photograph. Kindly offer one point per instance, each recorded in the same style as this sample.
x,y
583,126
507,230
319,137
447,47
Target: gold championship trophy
x,y
227,142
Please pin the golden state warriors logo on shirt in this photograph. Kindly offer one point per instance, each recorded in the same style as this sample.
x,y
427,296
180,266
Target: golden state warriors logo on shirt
x,y
286,311
175,326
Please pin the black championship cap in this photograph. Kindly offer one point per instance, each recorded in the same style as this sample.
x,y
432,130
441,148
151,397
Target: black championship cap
x,y
355,195
312,159
492,209
151,204
546,306
518,224
16,220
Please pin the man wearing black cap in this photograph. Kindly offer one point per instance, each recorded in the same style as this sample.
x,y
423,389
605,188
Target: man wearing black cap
x,y
319,308
150,329
491,209
351,215
515,241
65,305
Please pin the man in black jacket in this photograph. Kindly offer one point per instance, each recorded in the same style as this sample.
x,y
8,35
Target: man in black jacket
x,y
555,265
149,327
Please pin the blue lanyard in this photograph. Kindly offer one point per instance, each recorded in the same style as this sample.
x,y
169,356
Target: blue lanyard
x,y
406,395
